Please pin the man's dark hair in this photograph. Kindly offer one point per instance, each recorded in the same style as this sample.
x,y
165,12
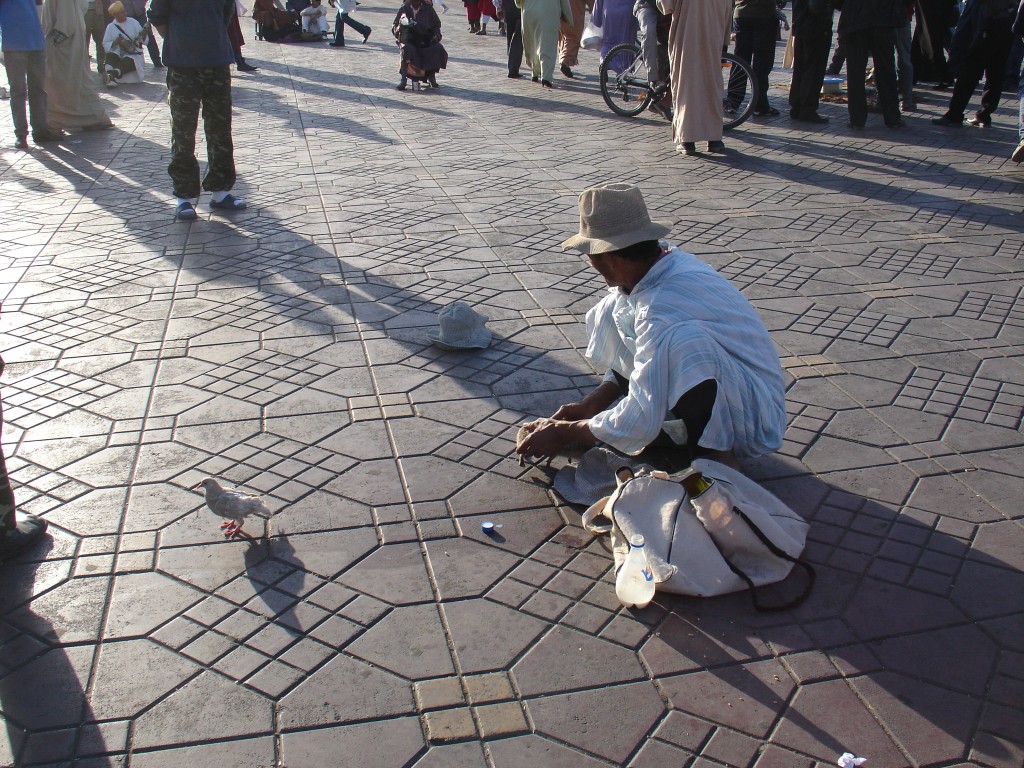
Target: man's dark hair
x,y
645,250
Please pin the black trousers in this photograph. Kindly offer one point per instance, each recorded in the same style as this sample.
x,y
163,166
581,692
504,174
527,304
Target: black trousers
x,y
880,42
755,44
513,36
339,27
810,56
694,409
988,57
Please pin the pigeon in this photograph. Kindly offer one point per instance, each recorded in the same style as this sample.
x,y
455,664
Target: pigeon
x,y
233,506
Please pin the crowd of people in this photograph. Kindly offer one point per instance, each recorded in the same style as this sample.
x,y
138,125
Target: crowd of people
x,y
46,54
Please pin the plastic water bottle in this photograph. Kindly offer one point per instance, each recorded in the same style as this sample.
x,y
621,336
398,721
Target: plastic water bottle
x,y
634,583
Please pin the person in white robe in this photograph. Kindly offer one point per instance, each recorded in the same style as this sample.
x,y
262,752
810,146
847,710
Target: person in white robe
x,y
695,40
122,46
73,101
314,19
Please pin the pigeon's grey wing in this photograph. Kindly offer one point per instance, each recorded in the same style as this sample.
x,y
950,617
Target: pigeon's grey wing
x,y
234,505
259,507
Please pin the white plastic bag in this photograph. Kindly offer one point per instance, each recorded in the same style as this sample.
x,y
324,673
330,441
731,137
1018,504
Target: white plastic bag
x,y
592,36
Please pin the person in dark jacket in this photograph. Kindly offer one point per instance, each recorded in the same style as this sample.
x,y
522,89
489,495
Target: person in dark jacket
x,y
417,28
869,27
198,56
981,45
757,26
812,38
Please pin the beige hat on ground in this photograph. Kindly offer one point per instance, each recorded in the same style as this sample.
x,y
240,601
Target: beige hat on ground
x,y
613,216
460,327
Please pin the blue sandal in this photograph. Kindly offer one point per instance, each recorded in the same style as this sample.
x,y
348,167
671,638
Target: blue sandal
x,y
229,203
185,211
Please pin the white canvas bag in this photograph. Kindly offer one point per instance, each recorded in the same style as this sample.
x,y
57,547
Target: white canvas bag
x,y
733,536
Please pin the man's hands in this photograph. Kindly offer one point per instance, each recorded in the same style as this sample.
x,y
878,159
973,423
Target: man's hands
x,y
548,436
568,425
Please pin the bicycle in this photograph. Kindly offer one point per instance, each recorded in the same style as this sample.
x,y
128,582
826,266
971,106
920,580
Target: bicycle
x,y
628,91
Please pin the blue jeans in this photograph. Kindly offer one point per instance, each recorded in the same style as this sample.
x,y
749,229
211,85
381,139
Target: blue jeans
x,y
26,73
339,28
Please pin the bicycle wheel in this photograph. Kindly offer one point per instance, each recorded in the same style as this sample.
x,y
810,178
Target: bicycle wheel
x,y
739,88
624,80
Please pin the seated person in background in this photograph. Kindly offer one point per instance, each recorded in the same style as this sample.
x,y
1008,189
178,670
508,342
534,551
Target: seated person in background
x,y
122,46
274,21
691,370
314,19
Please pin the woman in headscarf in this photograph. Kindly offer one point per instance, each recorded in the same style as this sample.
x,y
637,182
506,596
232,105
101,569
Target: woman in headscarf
x,y
73,101
418,30
542,20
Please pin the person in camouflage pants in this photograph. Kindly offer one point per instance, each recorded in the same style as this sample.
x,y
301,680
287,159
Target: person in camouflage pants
x,y
198,55
188,90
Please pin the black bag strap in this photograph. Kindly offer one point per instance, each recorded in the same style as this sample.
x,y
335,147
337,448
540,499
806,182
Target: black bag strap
x,y
807,567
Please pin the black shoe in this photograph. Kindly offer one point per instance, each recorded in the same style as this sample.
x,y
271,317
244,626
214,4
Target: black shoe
x,y
535,79
337,45
401,85
547,83
514,75
21,143
854,126
897,124
946,120
18,541
980,121
245,66
50,134
814,119
433,83
942,85
567,71
717,147
689,148
367,35
770,112
158,65
660,109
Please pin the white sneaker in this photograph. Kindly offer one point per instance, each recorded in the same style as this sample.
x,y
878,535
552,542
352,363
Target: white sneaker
x,y
1018,153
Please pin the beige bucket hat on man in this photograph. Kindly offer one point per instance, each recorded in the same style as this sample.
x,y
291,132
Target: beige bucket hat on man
x,y
613,216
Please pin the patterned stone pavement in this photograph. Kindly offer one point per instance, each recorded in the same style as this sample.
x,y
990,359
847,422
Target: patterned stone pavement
x,y
285,350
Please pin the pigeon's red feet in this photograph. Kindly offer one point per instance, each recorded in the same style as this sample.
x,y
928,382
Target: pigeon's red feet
x,y
232,529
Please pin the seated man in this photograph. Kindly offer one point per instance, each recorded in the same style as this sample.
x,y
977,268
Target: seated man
x,y
122,47
314,19
691,370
